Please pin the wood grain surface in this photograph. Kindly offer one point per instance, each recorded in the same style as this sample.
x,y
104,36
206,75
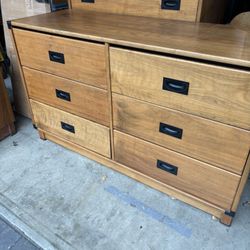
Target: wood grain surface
x,y
224,146
87,134
188,8
84,62
217,93
85,101
6,114
243,181
194,177
212,42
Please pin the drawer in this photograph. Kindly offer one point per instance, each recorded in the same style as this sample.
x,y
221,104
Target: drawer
x,y
69,58
204,181
213,92
218,144
83,100
80,131
178,9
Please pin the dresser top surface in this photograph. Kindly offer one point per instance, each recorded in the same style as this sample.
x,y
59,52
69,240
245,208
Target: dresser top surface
x,y
213,42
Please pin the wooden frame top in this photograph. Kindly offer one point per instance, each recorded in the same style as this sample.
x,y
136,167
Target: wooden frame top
x,y
213,42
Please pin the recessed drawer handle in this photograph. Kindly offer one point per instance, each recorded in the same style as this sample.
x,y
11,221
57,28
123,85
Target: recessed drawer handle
x,y
170,130
176,86
68,127
171,4
88,1
167,167
63,95
56,57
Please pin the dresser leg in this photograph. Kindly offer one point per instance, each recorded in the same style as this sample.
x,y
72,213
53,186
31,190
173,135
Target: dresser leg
x,y
42,135
12,129
227,218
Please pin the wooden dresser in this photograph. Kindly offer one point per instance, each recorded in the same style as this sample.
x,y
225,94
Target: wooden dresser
x,y
164,102
7,119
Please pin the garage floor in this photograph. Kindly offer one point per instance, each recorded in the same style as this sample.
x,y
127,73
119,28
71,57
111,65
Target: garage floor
x,y
62,200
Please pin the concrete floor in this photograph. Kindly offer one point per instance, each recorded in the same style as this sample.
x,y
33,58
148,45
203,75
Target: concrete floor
x,y
12,239
62,200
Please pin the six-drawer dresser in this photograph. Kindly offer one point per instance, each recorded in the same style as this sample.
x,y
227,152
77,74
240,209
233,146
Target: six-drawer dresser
x,y
164,102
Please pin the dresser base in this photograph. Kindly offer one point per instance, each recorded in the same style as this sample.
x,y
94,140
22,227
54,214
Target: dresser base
x,y
41,134
227,219
171,191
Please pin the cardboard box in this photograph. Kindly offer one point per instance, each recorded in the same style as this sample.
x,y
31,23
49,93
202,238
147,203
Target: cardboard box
x,y
13,9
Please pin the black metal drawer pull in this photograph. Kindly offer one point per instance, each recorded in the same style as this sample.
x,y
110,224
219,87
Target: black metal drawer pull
x,y
170,130
63,95
171,4
88,1
167,167
56,57
176,86
68,127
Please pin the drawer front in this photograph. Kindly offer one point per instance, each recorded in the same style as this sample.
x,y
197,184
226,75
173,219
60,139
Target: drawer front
x,y
83,100
218,144
73,59
80,131
171,9
194,177
213,92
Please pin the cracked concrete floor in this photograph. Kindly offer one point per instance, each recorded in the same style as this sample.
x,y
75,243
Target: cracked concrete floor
x,y
62,200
